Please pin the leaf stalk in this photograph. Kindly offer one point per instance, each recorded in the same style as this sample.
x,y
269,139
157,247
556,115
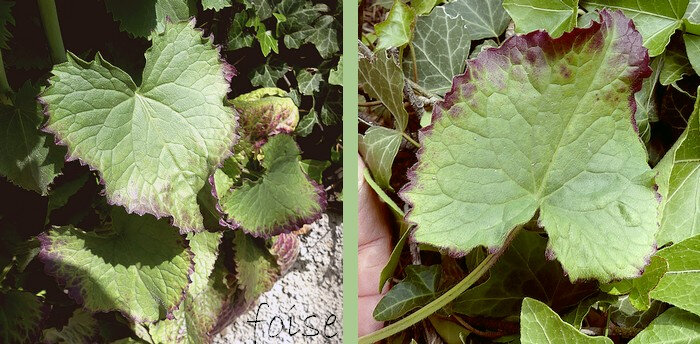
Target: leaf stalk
x,y
49,19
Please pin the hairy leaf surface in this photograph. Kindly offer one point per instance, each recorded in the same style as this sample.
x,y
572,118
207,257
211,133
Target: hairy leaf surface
x,y
154,144
679,284
540,325
543,124
555,17
256,268
142,269
205,247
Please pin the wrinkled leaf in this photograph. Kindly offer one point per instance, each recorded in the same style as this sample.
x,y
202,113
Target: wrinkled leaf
x,y
154,144
397,29
256,268
416,290
382,79
555,17
205,247
378,147
679,284
484,19
265,112
123,271
140,18
506,144
540,325
673,326
20,316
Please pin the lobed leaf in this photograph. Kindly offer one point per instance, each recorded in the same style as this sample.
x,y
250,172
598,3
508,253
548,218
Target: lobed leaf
x,y
155,144
540,325
141,18
485,19
397,29
123,271
382,79
543,124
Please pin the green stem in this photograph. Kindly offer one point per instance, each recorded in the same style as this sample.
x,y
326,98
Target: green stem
x,y
49,18
415,64
4,85
444,299
409,139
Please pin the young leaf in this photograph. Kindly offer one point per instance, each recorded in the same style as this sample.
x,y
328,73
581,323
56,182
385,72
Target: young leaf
x,y
655,20
141,18
678,285
501,295
675,66
484,19
679,180
504,144
673,326
378,147
397,29
416,290
285,247
555,17
382,79
256,269
216,5
266,75
28,157
154,144
692,47
423,7
290,198
124,271
540,325
20,317
205,247
265,112
442,46
639,288
308,82
82,327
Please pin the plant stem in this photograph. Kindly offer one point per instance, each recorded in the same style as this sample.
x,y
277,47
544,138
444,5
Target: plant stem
x,y
409,139
4,85
444,299
422,90
415,64
49,18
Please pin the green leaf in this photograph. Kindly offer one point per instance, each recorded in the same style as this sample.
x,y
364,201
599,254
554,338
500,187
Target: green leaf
x,y
378,147
537,277
324,35
20,317
555,17
692,47
416,290
442,46
335,77
82,327
300,19
450,332
646,100
382,79
315,168
265,112
141,18
483,19
307,123
308,82
624,314
679,285
673,326
205,247
540,325
59,195
256,268
679,180
5,19
423,7
28,157
122,271
397,29
238,35
289,197
691,18
489,43
216,5
155,144
504,146
675,66
267,41
267,74
639,288
262,8
575,316
655,20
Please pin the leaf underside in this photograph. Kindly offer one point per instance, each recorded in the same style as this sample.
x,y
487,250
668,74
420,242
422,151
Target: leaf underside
x,y
543,124
155,144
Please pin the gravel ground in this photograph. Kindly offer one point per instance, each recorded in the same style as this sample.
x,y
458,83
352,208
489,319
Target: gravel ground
x,y
310,295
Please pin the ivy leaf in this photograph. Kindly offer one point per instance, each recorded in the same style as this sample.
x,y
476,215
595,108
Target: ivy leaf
x,y
416,290
691,18
141,18
672,326
324,35
262,8
205,247
308,82
216,5
335,77
267,74
5,19
290,198
256,268
675,65
423,7
484,19
639,288
238,35
82,327
397,29
378,147
540,325
154,144
679,180
124,271
307,123
267,41
315,168
489,43
442,45
678,285
382,79
692,47
655,20
300,19
28,157
537,277
20,317
555,17
504,146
